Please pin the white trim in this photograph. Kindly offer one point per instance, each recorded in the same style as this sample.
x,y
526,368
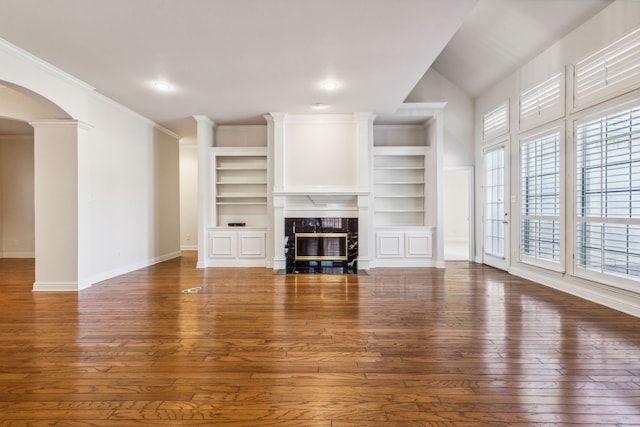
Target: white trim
x,y
320,118
608,72
545,102
139,116
45,66
559,128
55,287
52,123
407,263
189,248
617,299
496,131
17,254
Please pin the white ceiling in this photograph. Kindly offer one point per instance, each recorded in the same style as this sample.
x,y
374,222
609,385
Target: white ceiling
x,y
499,36
235,60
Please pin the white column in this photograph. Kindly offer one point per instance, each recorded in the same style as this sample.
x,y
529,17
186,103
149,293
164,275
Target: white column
x,y
205,139
439,165
62,205
276,142
364,129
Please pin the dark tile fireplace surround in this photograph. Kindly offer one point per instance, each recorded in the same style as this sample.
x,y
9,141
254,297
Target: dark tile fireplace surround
x,y
321,245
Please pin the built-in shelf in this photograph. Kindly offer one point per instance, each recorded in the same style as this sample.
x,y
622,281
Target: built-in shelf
x,y
399,186
240,177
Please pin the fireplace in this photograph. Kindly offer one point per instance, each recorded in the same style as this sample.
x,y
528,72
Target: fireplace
x,y
321,245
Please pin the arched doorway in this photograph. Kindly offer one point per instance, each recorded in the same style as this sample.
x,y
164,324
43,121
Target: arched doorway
x,y
56,164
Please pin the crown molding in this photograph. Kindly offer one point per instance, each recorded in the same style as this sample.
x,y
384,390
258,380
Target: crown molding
x,y
135,114
25,56
61,123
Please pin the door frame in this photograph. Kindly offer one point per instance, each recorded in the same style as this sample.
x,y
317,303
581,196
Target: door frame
x,y
489,259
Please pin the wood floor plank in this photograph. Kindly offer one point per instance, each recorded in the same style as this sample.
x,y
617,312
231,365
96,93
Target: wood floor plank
x,y
463,346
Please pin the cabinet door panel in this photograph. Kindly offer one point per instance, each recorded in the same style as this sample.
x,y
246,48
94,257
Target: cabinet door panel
x,y
418,245
222,245
390,245
252,245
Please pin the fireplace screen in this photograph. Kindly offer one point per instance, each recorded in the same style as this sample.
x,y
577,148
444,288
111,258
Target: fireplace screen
x,y
321,246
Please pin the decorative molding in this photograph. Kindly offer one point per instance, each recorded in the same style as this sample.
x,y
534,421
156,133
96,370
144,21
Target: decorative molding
x,y
139,116
61,123
205,120
320,118
25,56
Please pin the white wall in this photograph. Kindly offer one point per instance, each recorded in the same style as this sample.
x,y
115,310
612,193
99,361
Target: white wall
x,y
321,153
189,194
614,21
134,176
17,228
456,200
458,136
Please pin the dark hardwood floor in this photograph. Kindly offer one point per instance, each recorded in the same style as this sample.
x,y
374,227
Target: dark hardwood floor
x,y
465,346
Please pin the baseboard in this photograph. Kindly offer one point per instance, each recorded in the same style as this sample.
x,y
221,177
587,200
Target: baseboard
x,y
617,299
189,248
55,287
17,254
407,263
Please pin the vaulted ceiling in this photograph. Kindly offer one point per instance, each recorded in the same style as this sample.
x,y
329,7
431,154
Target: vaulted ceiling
x,y
235,60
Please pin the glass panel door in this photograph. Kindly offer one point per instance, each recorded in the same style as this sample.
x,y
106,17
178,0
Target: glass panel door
x,y
495,217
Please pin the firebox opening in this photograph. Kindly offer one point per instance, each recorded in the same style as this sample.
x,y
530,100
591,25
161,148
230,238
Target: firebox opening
x,y
321,246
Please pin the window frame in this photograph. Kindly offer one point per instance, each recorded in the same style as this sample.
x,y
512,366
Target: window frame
x,y
611,107
489,136
538,98
538,133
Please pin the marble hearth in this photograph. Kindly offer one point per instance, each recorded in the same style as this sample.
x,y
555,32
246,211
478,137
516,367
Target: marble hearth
x,y
321,245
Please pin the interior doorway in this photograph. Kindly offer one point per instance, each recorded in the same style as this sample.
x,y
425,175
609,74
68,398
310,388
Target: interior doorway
x,y
17,220
458,212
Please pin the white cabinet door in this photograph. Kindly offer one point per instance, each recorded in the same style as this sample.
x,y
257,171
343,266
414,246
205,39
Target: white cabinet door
x,y
390,244
251,244
404,247
222,244
418,244
229,247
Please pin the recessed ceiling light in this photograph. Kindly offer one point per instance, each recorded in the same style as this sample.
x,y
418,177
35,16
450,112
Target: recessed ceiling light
x,y
162,86
320,106
330,85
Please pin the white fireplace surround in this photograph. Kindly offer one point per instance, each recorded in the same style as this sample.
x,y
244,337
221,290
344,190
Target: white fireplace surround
x,y
316,204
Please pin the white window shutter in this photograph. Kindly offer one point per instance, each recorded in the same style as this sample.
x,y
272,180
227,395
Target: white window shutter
x,y
495,122
542,103
610,71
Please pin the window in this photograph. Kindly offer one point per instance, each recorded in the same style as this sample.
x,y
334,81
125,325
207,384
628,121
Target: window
x,y
540,196
608,194
610,71
542,103
496,122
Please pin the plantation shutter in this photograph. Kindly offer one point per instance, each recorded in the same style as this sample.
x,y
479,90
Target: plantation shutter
x,y
495,122
542,103
540,195
608,194
609,71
